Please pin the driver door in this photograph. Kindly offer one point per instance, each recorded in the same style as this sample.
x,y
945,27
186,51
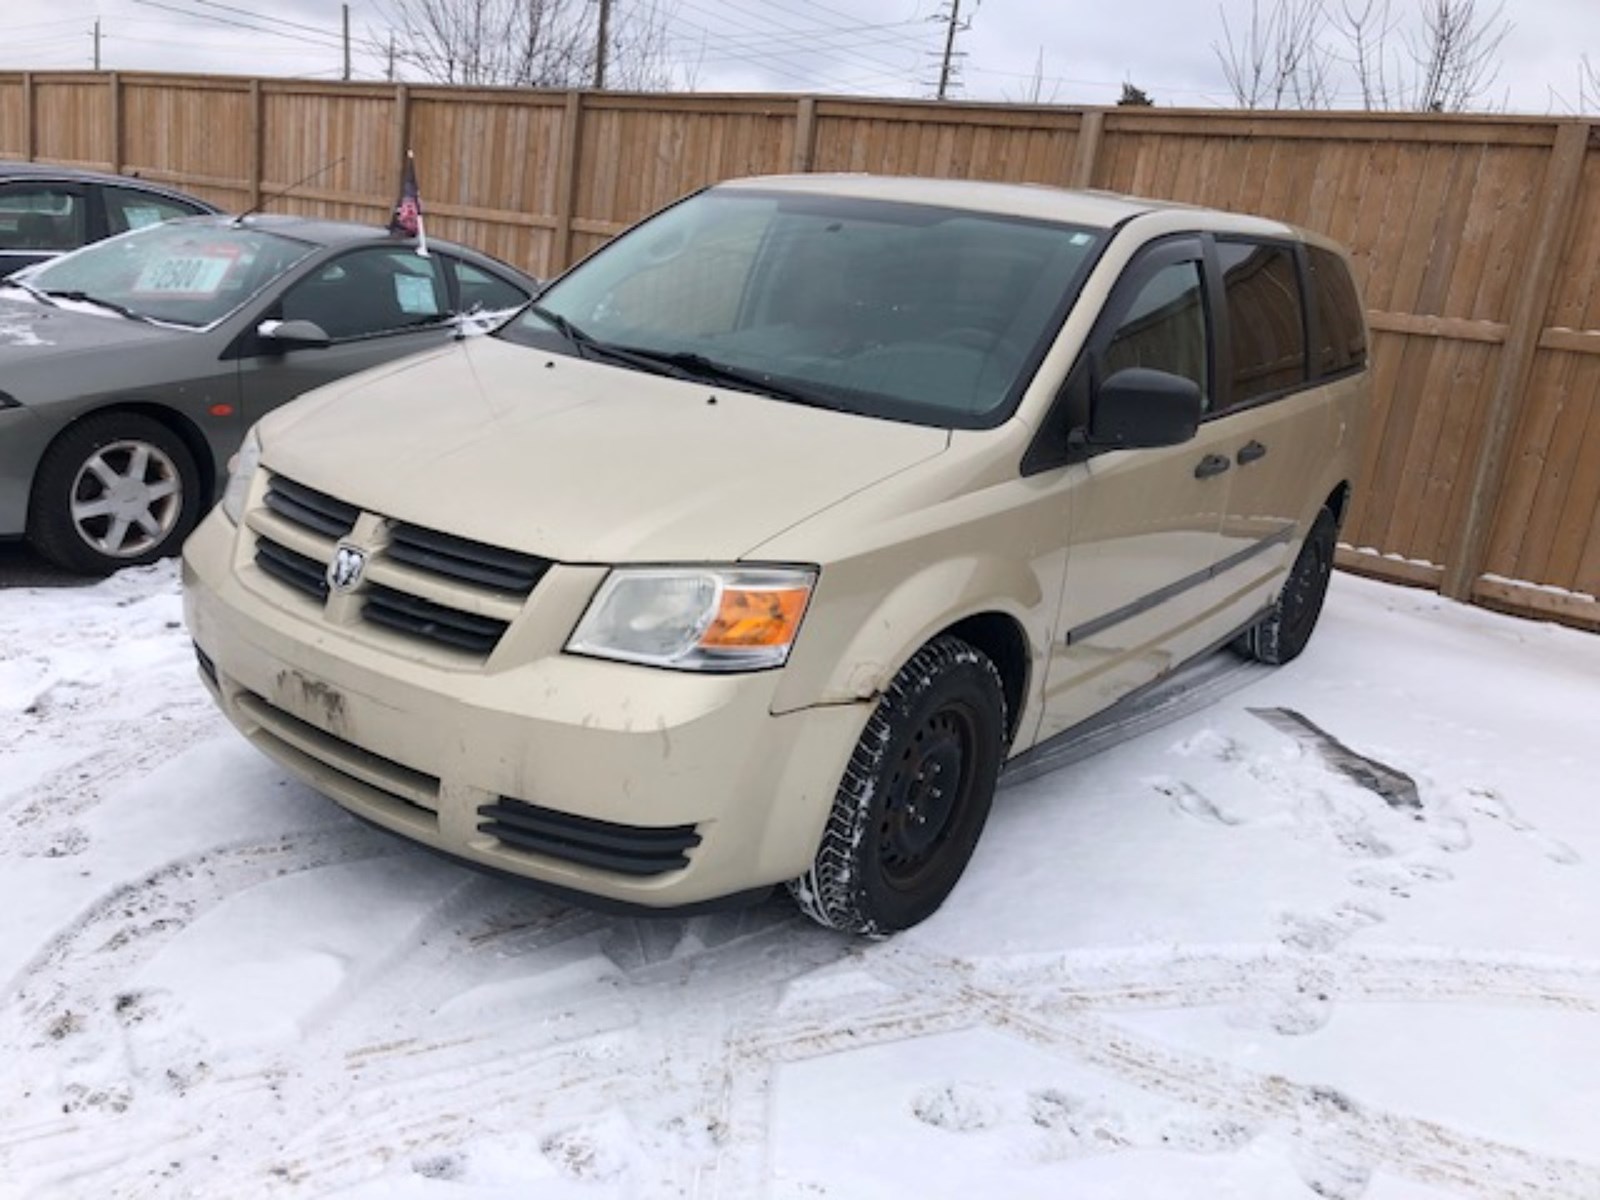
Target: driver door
x,y
1146,523
375,304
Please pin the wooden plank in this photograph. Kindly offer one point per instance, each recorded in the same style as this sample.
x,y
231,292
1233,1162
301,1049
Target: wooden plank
x,y
1574,341
114,89
1388,567
567,183
1454,328
28,139
1557,214
1529,600
805,134
1086,153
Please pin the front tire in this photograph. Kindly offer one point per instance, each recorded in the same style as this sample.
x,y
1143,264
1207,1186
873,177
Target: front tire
x,y
914,797
115,490
1283,634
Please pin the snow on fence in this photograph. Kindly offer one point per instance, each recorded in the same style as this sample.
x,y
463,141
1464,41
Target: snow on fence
x,y
1477,240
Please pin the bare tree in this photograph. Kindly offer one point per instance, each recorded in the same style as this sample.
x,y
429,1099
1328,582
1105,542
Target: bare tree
x,y
1280,60
528,43
1457,54
1297,53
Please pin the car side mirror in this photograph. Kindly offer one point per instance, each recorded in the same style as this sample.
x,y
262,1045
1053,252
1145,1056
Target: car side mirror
x,y
293,335
1140,408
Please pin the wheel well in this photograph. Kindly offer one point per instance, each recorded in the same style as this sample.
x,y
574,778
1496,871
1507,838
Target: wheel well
x,y
184,428
1337,502
1002,639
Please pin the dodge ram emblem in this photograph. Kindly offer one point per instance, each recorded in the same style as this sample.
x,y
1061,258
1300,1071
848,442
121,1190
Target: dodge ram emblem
x,y
344,572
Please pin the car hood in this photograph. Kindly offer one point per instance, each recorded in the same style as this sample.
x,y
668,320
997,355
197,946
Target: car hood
x,y
580,461
32,332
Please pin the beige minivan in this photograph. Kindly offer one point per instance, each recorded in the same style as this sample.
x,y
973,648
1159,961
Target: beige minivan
x,y
752,551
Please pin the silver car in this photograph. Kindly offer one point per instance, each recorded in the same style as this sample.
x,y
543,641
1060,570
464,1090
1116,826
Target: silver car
x,y
130,369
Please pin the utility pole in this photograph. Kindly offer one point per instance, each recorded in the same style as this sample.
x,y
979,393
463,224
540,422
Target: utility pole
x,y
346,9
601,46
391,56
97,43
947,66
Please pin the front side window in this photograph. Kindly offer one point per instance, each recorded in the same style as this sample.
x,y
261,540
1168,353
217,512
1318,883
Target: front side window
x,y
1266,319
369,292
180,274
1164,327
42,216
917,313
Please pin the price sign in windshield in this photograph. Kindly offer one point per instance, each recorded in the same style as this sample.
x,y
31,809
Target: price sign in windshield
x,y
199,274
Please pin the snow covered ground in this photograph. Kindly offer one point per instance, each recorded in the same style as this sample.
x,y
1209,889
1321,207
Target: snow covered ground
x,y
1221,959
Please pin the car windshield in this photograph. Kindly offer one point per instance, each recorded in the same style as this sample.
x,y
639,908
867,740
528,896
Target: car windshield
x,y
183,273
917,313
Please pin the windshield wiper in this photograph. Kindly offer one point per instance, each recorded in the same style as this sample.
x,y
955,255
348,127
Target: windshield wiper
x,y
22,286
108,305
579,339
686,364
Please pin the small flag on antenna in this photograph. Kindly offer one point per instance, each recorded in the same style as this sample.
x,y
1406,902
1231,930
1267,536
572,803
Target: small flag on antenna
x,y
406,221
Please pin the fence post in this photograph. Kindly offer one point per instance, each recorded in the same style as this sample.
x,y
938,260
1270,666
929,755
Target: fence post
x,y
257,140
114,82
567,181
805,134
1558,210
1088,148
28,142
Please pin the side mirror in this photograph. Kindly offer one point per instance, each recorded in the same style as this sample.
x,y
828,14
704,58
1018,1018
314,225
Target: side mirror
x,y
293,335
1140,408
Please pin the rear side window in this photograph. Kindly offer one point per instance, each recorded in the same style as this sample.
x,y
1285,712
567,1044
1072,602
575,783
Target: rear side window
x,y
129,208
1266,319
1341,336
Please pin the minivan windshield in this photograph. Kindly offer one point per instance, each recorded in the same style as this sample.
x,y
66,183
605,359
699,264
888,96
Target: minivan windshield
x,y
918,313
190,273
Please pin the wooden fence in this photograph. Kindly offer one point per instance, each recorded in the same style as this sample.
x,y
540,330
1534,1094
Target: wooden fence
x,y
1476,240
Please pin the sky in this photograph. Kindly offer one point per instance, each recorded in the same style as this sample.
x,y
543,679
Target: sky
x,y
1012,50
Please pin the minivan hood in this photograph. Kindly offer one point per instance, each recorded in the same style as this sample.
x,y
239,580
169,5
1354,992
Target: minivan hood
x,y
580,461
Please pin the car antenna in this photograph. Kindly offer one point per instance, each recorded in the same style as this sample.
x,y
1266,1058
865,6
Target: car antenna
x,y
298,183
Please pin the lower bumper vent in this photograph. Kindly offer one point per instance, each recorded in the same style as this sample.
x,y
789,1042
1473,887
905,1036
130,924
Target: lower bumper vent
x,y
626,849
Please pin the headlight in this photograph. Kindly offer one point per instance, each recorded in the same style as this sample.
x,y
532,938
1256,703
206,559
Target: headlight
x,y
241,470
696,618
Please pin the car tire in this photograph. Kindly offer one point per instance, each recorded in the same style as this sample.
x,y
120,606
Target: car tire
x,y
117,489
1283,634
914,797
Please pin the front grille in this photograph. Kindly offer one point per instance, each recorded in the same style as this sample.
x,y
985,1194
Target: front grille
x,y
464,560
290,566
435,622
625,849
456,594
310,509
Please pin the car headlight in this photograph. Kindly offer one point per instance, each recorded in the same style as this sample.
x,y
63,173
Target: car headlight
x,y
696,618
241,470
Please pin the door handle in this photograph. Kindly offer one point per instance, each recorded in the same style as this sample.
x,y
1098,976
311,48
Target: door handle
x,y
1211,464
1251,451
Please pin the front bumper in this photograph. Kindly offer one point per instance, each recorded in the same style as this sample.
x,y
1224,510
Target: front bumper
x,y
23,438
645,787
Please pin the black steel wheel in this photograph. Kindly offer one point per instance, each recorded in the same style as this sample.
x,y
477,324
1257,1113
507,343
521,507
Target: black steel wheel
x,y
1287,628
914,797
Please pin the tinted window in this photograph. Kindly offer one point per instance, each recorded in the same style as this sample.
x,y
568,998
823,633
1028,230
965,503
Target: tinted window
x,y
1342,336
482,292
1164,327
129,208
369,292
41,216
1266,320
